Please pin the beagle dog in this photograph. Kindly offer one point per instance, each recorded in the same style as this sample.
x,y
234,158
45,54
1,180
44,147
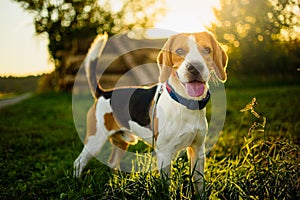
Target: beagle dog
x,y
174,109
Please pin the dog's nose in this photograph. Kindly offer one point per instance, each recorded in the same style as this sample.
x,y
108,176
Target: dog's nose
x,y
193,70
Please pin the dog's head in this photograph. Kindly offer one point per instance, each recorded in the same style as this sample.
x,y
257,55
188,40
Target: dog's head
x,y
190,58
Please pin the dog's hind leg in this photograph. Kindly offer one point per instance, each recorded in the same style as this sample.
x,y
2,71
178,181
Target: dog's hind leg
x,y
81,162
120,142
118,151
116,155
91,149
94,141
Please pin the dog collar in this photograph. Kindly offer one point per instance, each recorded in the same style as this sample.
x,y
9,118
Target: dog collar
x,y
190,104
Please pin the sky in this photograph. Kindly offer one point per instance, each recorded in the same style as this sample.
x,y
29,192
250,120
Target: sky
x,y
23,53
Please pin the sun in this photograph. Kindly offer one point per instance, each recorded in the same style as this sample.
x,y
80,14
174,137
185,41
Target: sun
x,y
188,15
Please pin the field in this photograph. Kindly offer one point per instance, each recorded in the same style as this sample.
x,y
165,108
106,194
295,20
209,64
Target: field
x,y
39,144
9,85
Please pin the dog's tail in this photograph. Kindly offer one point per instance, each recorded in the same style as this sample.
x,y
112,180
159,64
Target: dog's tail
x,y
91,60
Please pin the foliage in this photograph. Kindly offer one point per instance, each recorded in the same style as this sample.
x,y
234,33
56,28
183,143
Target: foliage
x,y
256,21
39,143
63,21
46,83
67,19
262,37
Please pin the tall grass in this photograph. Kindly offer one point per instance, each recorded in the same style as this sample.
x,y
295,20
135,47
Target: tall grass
x,y
262,169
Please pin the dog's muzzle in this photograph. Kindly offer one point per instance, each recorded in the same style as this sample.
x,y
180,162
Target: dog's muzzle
x,y
194,73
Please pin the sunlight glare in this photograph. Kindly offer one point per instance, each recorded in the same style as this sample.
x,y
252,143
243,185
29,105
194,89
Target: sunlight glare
x,y
23,55
188,15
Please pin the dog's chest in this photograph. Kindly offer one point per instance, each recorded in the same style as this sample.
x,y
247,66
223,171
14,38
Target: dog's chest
x,y
178,124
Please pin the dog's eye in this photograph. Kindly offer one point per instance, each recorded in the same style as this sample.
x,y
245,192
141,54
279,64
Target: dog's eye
x,y
180,51
207,50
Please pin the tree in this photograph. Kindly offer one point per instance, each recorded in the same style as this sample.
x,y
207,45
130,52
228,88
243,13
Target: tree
x,y
64,20
256,34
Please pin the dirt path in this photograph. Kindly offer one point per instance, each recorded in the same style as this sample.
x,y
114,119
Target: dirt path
x,y
8,102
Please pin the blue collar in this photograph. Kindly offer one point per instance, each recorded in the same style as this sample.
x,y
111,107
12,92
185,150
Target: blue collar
x,y
190,104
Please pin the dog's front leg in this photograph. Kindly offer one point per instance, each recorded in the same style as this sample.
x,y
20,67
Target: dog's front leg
x,y
196,155
164,160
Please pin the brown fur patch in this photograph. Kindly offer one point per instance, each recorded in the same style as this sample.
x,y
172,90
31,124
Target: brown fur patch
x,y
119,147
109,122
118,141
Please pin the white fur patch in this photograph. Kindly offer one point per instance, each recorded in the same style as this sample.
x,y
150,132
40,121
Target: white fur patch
x,y
141,132
95,142
192,57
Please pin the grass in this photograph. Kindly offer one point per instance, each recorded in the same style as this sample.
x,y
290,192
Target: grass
x,y
39,144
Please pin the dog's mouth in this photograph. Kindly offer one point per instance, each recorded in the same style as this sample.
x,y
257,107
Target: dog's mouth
x,y
195,88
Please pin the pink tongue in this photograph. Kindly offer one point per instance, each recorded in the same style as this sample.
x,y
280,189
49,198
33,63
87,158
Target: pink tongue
x,y
194,89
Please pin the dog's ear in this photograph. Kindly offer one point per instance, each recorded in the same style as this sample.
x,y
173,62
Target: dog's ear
x,y
220,60
164,61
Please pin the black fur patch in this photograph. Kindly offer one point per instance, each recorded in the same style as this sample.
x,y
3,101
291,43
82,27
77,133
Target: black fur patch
x,y
132,104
